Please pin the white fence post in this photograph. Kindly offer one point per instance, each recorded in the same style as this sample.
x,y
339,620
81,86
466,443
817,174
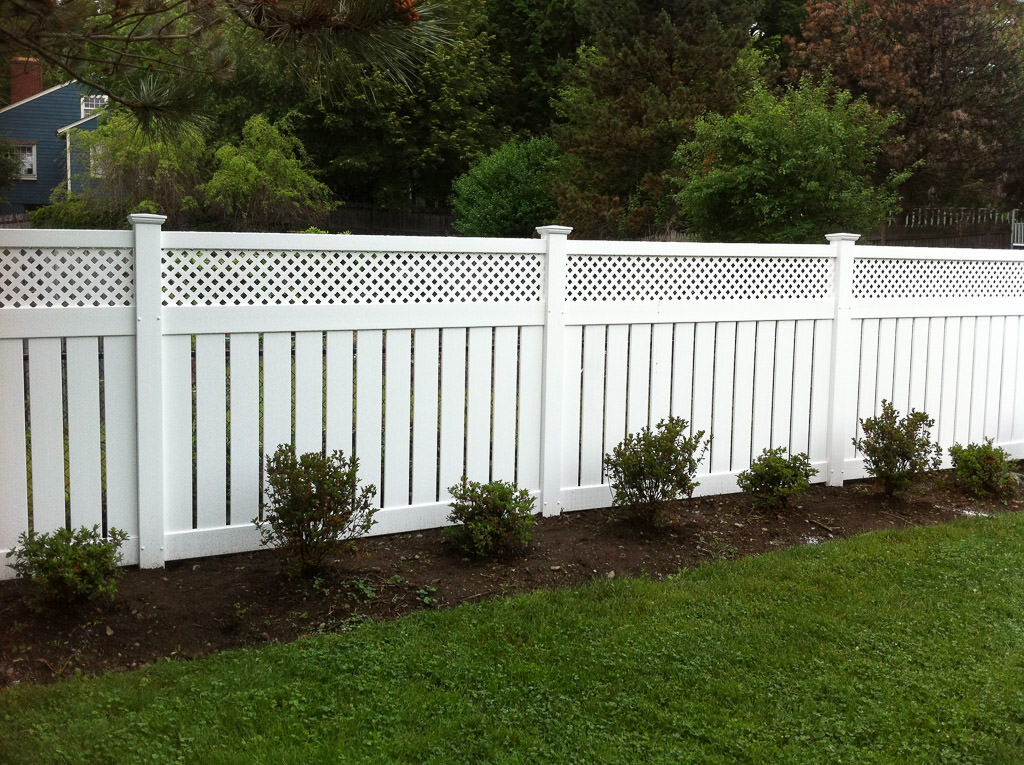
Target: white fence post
x,y
149,386
552,382
843,367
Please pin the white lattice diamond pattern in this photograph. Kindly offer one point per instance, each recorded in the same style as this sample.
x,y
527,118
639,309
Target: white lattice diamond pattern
x,y
60,277
642,277
326,278
892,278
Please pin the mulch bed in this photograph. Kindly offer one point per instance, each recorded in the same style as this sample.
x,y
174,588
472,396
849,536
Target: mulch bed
x,y
197,607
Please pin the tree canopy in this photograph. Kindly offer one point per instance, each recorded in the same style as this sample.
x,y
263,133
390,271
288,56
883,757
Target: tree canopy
x,y
393,100
953,70
508,192
148,54
649,71
787,168
260,182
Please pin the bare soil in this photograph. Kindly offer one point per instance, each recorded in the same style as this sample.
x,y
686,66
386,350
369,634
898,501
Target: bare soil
x,y
197,607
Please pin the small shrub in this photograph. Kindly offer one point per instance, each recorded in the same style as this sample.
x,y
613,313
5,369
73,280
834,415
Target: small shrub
x,y
492,519
650,468
66,566
898,450
314,503
982,469
773,477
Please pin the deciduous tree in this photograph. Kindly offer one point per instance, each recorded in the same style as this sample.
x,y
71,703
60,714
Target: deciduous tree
x,y
953,69
788,168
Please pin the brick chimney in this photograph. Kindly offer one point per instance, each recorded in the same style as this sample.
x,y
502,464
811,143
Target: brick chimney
x,y
26,78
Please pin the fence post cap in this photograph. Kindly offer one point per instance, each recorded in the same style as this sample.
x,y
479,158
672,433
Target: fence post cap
x,y
142,218
842,237
546,231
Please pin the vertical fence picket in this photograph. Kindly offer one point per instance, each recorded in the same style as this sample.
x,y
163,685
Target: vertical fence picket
x,y
994,375
531,352
946,419
932,384
13,465
84,469
178,432
979,378
426,366
309,392
245,427
453,408
1009,382
478,404
211,432
817,447
885,379
902,357
397,413
682,371
369,405
743,395
868,397
800,411
723,396
764,387
119,413
339,391
277,390
638,370
661,373
47,428
964,379
615,386
503,439
1017,433
704,384
919,345
782,401
572,377
590,441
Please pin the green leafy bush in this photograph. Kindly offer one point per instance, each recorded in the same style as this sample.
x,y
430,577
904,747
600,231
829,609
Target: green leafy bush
x,y
65,566
982,469
650,468
508,192
314,503
773,477
491,519
898,450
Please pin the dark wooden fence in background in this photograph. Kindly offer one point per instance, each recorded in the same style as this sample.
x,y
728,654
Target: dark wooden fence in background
x,y
979,228
365,219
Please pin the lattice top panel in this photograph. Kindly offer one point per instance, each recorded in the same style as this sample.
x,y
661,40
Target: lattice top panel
x,y
64,277
643,277
894,278
192,277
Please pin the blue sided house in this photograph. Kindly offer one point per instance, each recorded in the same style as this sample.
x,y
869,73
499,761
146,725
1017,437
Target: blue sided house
x,y
38,123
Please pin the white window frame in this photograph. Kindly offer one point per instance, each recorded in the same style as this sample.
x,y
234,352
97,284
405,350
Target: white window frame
x,y
92,104
21,150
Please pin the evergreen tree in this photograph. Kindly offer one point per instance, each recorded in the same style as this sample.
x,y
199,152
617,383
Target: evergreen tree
x,y
651,69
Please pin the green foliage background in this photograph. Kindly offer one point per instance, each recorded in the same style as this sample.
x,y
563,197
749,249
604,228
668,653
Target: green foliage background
x,y
787,168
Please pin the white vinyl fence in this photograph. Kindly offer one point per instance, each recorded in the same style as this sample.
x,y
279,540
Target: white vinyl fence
x,y
144,374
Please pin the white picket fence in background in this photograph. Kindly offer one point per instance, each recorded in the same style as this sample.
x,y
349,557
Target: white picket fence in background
x,y
144,374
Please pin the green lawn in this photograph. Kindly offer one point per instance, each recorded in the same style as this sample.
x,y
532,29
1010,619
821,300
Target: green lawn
x,y
894,647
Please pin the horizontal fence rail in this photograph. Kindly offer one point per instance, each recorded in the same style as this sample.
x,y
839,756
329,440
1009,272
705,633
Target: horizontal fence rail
x,y
146,375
